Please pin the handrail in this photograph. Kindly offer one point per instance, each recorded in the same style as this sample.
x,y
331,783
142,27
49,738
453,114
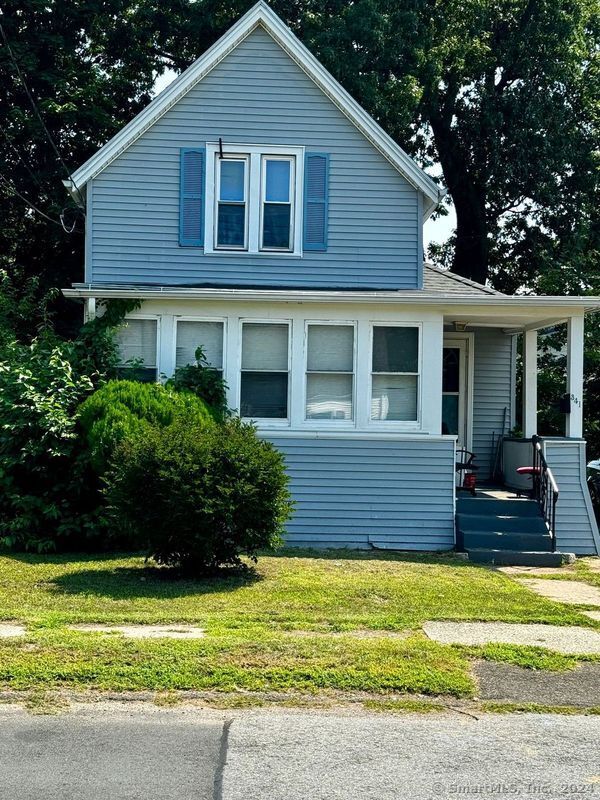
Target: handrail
x,y
545,488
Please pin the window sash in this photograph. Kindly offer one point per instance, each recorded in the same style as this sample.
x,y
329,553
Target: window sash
x,y
190,334
265,360
137,340
395,394
242,204
330,368
264,202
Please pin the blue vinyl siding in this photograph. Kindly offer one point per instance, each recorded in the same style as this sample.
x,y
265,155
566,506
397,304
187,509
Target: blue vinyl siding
x,y
576,529
492,393
256,95
363,493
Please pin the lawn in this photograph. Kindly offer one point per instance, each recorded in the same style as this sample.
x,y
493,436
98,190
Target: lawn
x,y
300,620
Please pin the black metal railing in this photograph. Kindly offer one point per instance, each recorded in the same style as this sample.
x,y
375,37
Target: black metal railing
x,y
545,489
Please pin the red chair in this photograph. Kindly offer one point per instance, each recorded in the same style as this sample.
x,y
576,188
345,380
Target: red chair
x,y
466,470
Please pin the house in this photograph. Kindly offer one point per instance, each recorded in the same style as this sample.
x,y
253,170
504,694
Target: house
x,y
257,210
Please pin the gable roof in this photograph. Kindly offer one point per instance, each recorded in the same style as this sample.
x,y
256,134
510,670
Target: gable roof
x,y
442,281
261,15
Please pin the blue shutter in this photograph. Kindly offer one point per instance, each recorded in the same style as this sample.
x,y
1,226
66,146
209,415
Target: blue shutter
x,y
191,196
316,200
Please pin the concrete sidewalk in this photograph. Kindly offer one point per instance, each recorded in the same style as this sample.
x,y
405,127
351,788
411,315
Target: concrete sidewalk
x,y
140,752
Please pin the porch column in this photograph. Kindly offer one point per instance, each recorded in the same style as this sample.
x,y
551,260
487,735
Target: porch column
x,y
89,309
529,383
574,427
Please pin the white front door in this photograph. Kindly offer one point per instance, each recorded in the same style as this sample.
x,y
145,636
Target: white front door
x,y
456,387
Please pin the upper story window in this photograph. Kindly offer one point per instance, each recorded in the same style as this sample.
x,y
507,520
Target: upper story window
x,y
254,199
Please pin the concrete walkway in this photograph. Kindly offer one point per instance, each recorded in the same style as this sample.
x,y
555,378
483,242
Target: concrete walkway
x,y
569,640
138,752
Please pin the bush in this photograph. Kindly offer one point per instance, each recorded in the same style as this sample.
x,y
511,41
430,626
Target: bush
x,y
199,498
125,409
204,381
43,503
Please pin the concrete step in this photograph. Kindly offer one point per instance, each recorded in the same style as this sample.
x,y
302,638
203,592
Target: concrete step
x,y
488,507
502,540
477,522
518,558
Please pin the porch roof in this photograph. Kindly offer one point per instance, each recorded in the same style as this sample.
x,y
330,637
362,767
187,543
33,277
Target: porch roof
x,y
478,308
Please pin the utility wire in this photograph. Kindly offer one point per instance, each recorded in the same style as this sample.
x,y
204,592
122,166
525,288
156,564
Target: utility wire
x,y
11,187
36,110
14,148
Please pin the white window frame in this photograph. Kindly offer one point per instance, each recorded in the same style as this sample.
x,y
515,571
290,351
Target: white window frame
x,y
190,318
158,319
329,423
265,422
255,154
396,424
245,158
291,160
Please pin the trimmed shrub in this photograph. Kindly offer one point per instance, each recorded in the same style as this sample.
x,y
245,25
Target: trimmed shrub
x,y
127,409
199,498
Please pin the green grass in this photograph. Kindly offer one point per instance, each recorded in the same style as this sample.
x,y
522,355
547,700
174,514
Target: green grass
x,y
298,622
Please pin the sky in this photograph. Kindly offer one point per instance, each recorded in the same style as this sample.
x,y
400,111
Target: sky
x,y
434,231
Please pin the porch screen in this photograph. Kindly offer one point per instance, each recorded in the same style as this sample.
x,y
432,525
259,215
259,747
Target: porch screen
x,y
330,372
192,334
136,341
395,373
265,366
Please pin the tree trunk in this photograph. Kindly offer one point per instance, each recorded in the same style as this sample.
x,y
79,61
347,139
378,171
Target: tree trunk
x,y
471,254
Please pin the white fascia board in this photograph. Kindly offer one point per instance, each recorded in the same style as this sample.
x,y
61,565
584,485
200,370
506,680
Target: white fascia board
x,y
416,297
261,14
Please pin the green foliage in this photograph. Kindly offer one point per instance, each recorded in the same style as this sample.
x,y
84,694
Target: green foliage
x,y
127,409
40,496
204,381
47,499
198,498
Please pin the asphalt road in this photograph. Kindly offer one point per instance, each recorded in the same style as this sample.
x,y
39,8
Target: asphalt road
x,y
116,752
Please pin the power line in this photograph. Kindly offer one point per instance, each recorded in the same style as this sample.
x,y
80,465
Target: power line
x,y
36,110
10,185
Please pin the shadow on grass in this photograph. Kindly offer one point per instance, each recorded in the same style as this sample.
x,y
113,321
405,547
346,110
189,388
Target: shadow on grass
x,y
442,558
126,583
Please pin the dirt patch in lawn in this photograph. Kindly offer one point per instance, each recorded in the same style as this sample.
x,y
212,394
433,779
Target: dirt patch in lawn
x,y
143,631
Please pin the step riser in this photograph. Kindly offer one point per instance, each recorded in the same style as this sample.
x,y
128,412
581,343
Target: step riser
x,y
472,522
516,508
505,541
517,559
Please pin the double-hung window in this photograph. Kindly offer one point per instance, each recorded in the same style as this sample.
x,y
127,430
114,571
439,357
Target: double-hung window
x,y
192,334
395,373
329,372
256,204
137,345
232,203
265,370
277,203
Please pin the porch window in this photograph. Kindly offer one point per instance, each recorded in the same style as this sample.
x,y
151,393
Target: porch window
x,y
192,334
136,341
395,373
330,372
265,370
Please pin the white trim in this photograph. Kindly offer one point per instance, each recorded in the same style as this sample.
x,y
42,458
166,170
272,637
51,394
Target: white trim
x,y
466,345
406,297
262,15
348,434
396,424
